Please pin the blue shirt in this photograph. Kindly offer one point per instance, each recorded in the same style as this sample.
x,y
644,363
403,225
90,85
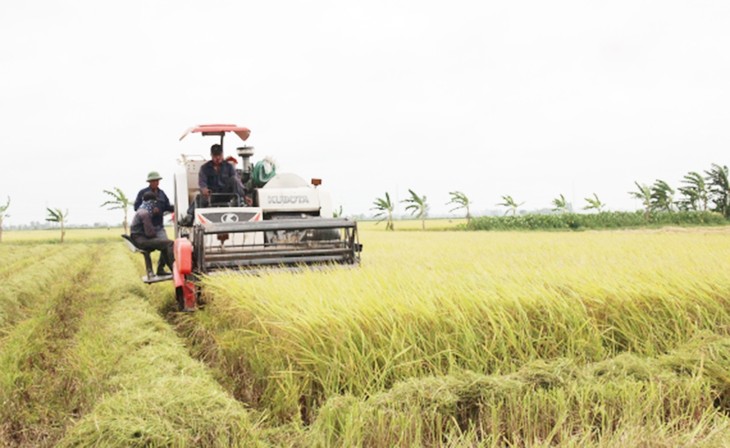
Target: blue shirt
x,y
216,181
163,203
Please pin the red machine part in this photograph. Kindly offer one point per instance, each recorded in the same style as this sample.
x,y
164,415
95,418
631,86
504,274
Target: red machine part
x,y
185,289
219,129
189,295
183,249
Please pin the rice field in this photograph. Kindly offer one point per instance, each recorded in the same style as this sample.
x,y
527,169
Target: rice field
x,y
442,338
51,236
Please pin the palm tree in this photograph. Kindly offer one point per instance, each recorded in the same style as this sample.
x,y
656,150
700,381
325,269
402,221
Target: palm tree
x,y
118,201
385,208
3,215
561,205
460,200
511,205
417,206
643,193
719,189
694,192
56,215
594,204
662,196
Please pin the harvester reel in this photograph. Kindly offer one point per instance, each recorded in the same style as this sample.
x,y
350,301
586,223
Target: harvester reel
x,y
322,235
286,236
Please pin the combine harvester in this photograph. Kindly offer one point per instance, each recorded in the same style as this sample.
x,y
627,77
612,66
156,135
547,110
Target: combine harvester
x,y
283,222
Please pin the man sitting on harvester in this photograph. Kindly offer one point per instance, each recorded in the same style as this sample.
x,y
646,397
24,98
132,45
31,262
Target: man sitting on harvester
x,y
218,183
146,236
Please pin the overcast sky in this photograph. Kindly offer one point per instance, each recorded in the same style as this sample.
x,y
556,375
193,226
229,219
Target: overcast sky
x,y
524,98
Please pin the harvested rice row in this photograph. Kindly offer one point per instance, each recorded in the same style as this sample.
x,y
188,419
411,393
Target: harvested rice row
x,y
53,236
37,384
678,399
138,384
22,292
13,259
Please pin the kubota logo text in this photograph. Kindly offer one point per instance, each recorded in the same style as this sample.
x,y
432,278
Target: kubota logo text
x,y
229,217
293,199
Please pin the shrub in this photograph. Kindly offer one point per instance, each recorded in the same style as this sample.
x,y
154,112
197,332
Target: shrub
x,y
603,220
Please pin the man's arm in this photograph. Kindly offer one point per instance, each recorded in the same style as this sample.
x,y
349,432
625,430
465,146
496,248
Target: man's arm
x,y
165,202
203,179
138,201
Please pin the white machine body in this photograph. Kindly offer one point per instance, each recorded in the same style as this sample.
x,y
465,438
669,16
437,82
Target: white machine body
x,y
285,193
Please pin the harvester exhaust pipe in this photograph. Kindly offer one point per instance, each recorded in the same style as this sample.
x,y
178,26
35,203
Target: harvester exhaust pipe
x,y
245,153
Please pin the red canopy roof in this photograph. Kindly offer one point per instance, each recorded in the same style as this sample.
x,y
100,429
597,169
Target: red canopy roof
x,y
219,129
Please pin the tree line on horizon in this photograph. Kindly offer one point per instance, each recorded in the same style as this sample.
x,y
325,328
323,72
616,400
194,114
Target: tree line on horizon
x,y
698,192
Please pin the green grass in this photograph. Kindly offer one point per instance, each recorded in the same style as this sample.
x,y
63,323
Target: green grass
x,y
145,389
37,389
17,258
53,236
73,236
35,276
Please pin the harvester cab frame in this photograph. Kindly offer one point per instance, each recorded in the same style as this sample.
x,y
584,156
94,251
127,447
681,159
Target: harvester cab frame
x,y
287,224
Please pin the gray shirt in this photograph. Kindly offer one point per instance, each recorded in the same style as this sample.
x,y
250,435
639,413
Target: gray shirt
x,y
142,224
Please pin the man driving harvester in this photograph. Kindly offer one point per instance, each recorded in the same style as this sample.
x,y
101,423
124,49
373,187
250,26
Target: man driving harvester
x,y
218,184
217,179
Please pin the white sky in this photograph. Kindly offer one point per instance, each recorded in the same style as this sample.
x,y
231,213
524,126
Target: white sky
x,y
525,98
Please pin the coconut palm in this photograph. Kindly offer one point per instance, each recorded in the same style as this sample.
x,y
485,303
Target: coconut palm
x,y
118,201
3,214
662,196
511,204
385,208
56,215
417,206
719,189
594,204
460,201
561,205
694,192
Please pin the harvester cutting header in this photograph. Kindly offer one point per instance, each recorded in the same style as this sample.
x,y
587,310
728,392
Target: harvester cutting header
x,y
253,219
